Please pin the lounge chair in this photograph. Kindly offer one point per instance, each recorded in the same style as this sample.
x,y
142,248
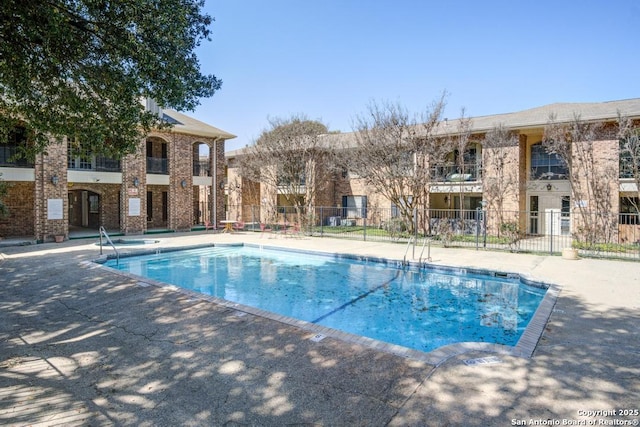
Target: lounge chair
x,y
264,228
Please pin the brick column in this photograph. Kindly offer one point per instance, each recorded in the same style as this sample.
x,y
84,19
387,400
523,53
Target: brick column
x,y
51,199
180,183
523,172
133,198
216,154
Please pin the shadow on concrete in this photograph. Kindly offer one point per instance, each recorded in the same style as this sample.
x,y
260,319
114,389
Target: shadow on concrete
x,y
587,360
88,347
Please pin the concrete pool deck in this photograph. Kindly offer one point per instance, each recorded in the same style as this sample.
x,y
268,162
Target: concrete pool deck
x,y
81,345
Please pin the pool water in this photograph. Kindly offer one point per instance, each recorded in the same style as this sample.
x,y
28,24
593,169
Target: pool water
x,y
415,308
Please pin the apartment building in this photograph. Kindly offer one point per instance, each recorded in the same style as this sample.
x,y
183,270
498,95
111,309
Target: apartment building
x,y
172,182
534,183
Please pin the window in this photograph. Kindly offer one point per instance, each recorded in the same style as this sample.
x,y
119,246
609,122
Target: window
x,y
629,150
354,206
565,216
79,158
10,148
533,214
546,165
395,209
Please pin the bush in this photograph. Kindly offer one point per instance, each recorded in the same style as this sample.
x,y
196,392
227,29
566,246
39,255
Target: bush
x,y
511,231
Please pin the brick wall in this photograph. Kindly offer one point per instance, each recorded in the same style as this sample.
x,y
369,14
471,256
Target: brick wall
x,y
20,202
49,195
134,166
501,185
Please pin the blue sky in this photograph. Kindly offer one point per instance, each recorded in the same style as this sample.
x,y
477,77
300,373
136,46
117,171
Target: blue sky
x,y
329,59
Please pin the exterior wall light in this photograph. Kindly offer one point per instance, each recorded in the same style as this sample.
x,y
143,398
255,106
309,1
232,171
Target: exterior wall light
x,y
183,183
136,182
55,179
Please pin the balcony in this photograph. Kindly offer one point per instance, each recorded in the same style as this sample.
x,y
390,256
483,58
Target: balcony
x,y
455,173
201,168
8,158
157,165
94,163
105,164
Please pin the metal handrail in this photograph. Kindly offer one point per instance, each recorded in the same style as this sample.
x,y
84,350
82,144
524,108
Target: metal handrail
x,y
104,232
404,260
428,252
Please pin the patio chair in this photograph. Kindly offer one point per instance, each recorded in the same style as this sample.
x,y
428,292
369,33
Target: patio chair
x,y
208,225
264,228
293,229
238,226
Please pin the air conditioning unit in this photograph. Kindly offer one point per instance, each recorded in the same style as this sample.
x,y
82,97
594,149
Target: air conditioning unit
x,y
333,221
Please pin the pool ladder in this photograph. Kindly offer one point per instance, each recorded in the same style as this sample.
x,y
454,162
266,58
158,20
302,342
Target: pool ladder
x,y
426,243
103,232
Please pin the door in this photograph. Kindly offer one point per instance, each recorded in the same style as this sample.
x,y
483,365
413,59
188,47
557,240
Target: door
x,y
556,218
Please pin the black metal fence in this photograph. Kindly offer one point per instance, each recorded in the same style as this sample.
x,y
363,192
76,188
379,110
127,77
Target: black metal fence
x,y
548,232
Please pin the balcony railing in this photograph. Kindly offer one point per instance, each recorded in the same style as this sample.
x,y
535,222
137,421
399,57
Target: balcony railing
x,y
8,159
455,173
99,164
105,164
201,168
157,165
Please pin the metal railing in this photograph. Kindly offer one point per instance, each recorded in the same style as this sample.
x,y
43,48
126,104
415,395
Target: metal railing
x,y
157,165
201,168
615,236
94,163
9,157
103,232
455,173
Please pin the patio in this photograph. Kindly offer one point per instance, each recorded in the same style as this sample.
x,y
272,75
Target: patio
x,y
85,346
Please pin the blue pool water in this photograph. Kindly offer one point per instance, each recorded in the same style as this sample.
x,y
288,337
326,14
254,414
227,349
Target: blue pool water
x,y
419,309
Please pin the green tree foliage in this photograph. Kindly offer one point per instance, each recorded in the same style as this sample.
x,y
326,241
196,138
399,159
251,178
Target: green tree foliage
x,y
80,68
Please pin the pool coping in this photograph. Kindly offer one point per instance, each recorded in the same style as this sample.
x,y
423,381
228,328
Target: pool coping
x,y
524,348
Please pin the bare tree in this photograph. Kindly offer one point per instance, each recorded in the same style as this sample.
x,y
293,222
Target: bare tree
x,y
457,143
390,153
500,179
289,159
593,185
629,136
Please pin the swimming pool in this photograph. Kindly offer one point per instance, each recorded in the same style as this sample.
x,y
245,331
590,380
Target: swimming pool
x,y
415,308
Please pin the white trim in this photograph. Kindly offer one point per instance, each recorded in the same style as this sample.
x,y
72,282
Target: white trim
x,y
18,174
79,176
